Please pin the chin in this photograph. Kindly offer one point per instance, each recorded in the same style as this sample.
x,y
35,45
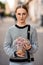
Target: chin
x,y
22,21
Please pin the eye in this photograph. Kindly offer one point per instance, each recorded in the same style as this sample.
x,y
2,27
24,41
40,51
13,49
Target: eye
x,y
24,13
19,13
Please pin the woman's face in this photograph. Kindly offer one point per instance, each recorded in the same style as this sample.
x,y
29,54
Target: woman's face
x,y
21,15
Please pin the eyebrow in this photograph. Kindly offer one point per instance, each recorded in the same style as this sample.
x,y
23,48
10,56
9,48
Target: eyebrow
x,y
20,13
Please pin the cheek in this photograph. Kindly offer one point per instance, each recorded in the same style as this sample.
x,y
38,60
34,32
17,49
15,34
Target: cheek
x,y
17,16
25,17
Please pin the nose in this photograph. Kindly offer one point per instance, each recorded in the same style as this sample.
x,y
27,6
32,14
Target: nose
x,y
21,15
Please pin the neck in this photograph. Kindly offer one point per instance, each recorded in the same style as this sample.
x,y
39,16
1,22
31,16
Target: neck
x,y
21,23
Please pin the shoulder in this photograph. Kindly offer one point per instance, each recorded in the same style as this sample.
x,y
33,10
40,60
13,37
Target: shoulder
x,y
33,30
11,27
31,27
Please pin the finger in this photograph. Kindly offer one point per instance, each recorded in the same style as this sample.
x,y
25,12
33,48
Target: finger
x,y
21,55
28,47
24,46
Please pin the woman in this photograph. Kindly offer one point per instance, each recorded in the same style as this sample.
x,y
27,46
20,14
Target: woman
x,y
21,30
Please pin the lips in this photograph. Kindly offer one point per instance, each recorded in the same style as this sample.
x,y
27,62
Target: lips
x,y
21,19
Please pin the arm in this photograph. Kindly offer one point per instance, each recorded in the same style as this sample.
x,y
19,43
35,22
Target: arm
x,y
34,41
9,48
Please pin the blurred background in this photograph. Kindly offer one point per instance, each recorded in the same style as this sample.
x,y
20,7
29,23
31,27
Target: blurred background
x,y
8,18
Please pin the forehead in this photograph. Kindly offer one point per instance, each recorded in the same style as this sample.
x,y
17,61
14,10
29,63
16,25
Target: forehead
x,y
21,10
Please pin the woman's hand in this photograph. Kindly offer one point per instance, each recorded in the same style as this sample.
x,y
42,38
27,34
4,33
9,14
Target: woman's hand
x,y
26,43
27,46
20,53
